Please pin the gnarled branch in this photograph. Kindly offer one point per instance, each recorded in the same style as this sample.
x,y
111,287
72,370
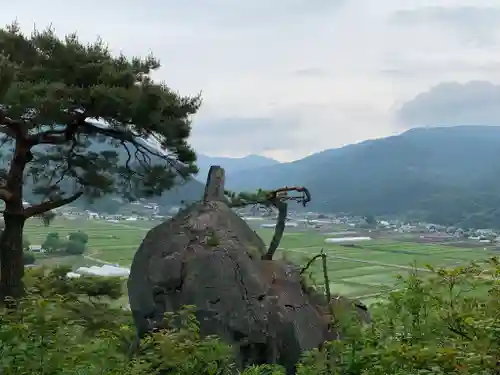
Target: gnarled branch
x,y
277,198
5,194
12,128
80,126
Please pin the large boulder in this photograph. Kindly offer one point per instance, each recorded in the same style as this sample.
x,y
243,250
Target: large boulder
x,y
208,257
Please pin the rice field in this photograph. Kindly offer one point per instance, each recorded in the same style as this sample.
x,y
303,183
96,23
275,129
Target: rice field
x,y
365,270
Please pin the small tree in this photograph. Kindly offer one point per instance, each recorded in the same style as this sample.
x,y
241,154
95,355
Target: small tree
x,y
78,122
28,258
370,220
74,247
273,198
52,242
79,237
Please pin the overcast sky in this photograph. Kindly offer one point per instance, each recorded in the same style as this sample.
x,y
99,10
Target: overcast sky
x,y
286,78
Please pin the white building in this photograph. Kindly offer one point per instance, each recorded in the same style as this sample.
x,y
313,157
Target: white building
x,y
105,270
289,224
346,239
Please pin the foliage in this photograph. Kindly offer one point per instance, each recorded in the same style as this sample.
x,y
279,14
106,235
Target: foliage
x,y
447,323
213,239
62,332
371,220
66,107
51,90
52,242
74,247
28,258
278,199
79,236
243,199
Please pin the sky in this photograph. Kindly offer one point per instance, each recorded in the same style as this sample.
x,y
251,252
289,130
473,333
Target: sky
x,y
287,78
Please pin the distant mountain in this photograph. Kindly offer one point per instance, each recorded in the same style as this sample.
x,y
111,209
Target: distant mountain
x,y
448,175
231,165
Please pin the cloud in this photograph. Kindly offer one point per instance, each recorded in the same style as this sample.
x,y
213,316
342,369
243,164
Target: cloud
x,y
286,78
477,25
310,72
449,104
243,136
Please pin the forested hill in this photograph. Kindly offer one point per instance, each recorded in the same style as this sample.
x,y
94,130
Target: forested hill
x,y
231,165
448,175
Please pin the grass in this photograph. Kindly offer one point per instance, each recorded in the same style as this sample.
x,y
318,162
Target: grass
x,y
366,270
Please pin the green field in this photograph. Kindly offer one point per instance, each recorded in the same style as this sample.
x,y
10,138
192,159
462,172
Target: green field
x,y
365,271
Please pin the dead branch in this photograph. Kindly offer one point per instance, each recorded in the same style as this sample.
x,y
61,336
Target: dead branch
x,y
326,279
282,194
310,263
327,282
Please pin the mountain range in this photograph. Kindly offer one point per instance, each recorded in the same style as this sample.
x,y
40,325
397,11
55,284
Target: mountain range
x,y
231,165
446,175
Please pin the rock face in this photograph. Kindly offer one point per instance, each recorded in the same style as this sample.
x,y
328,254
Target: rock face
x,y
207,256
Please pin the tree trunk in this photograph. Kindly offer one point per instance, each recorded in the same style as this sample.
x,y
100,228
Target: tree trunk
x,y
11,257
278,230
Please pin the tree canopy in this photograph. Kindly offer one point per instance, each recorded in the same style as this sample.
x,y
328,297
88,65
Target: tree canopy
x,y
66,107
60,97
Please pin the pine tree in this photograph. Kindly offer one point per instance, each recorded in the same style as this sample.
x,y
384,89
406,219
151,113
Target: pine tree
x,y
66,110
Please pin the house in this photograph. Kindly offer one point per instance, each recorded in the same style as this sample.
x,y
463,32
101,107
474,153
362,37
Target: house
x,y
91,215
36,249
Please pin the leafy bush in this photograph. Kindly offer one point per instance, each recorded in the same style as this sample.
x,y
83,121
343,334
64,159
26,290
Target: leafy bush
x,y
76,244
444,323
447,323
28,258
74,247
79,237
52,242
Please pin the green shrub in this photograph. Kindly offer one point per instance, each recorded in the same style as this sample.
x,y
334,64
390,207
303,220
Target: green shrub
x,y
52,242
447,323
28,258
79,237
74,247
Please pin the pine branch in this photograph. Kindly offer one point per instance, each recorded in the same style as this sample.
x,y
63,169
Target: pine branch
x,y
39,209
10,127
310,262
4,129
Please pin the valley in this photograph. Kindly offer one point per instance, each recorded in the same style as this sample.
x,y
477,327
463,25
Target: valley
x,y
364,270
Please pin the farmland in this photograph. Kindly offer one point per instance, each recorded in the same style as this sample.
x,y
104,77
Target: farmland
x,y
365,270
